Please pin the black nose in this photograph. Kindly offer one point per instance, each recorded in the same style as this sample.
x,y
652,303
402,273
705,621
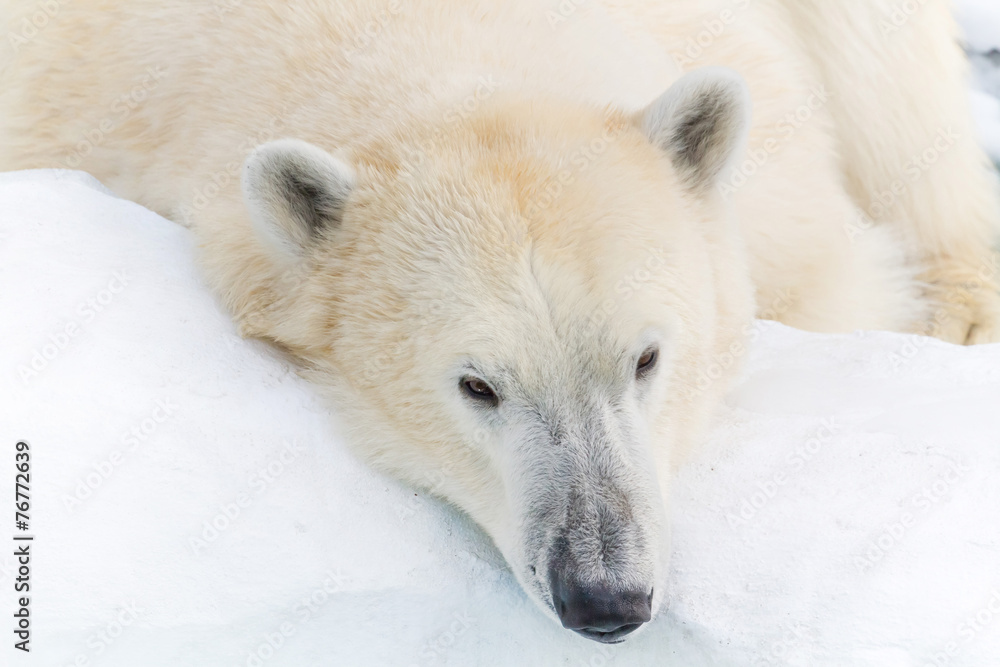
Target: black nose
x,y
600,612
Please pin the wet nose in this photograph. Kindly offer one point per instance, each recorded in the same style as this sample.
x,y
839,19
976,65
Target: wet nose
x,y
600,612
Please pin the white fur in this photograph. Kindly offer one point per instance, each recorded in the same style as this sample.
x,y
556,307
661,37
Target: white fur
x,y
517,210
286,234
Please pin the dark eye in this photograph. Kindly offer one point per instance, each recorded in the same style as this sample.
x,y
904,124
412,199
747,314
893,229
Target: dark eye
x,y
478,389
646,362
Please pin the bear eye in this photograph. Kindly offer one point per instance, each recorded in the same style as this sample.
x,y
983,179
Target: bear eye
x,y
479,390
647,362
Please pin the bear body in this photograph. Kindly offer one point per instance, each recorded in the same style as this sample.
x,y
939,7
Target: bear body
x,y
855,167
465,218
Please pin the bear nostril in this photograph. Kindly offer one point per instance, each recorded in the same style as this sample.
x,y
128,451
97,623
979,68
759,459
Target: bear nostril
x,y
600,612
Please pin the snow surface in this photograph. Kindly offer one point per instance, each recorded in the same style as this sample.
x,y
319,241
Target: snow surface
x,y
980,20
845,510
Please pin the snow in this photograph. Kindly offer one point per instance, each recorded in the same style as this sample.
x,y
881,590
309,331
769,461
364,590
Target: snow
x,y
980,20
191,475
193,505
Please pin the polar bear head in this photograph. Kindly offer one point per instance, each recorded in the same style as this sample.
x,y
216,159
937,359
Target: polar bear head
x,y
512,308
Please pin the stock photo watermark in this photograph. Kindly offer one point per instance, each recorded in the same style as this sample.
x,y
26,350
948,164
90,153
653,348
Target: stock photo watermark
x,y
901,13
921,502
119,111
23,542
722,364
85,313
31,25
104,637
372,29
102,470
786,129
303,613
751,504
967,631
913,170
711,29
259,482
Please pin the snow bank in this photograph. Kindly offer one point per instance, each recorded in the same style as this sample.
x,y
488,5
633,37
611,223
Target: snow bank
x,y
193,506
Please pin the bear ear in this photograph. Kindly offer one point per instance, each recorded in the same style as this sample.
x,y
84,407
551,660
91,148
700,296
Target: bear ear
x,y
701,122
294,192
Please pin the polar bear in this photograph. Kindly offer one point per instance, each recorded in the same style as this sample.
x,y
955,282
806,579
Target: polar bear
x,y
519,244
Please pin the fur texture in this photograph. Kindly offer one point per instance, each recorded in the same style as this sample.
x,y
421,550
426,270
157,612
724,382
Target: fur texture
x,y
532,196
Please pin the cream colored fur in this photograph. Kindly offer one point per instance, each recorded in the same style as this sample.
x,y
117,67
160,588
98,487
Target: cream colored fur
x,y
509,205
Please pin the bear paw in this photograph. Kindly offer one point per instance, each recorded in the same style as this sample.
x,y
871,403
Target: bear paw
x,y
965,301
